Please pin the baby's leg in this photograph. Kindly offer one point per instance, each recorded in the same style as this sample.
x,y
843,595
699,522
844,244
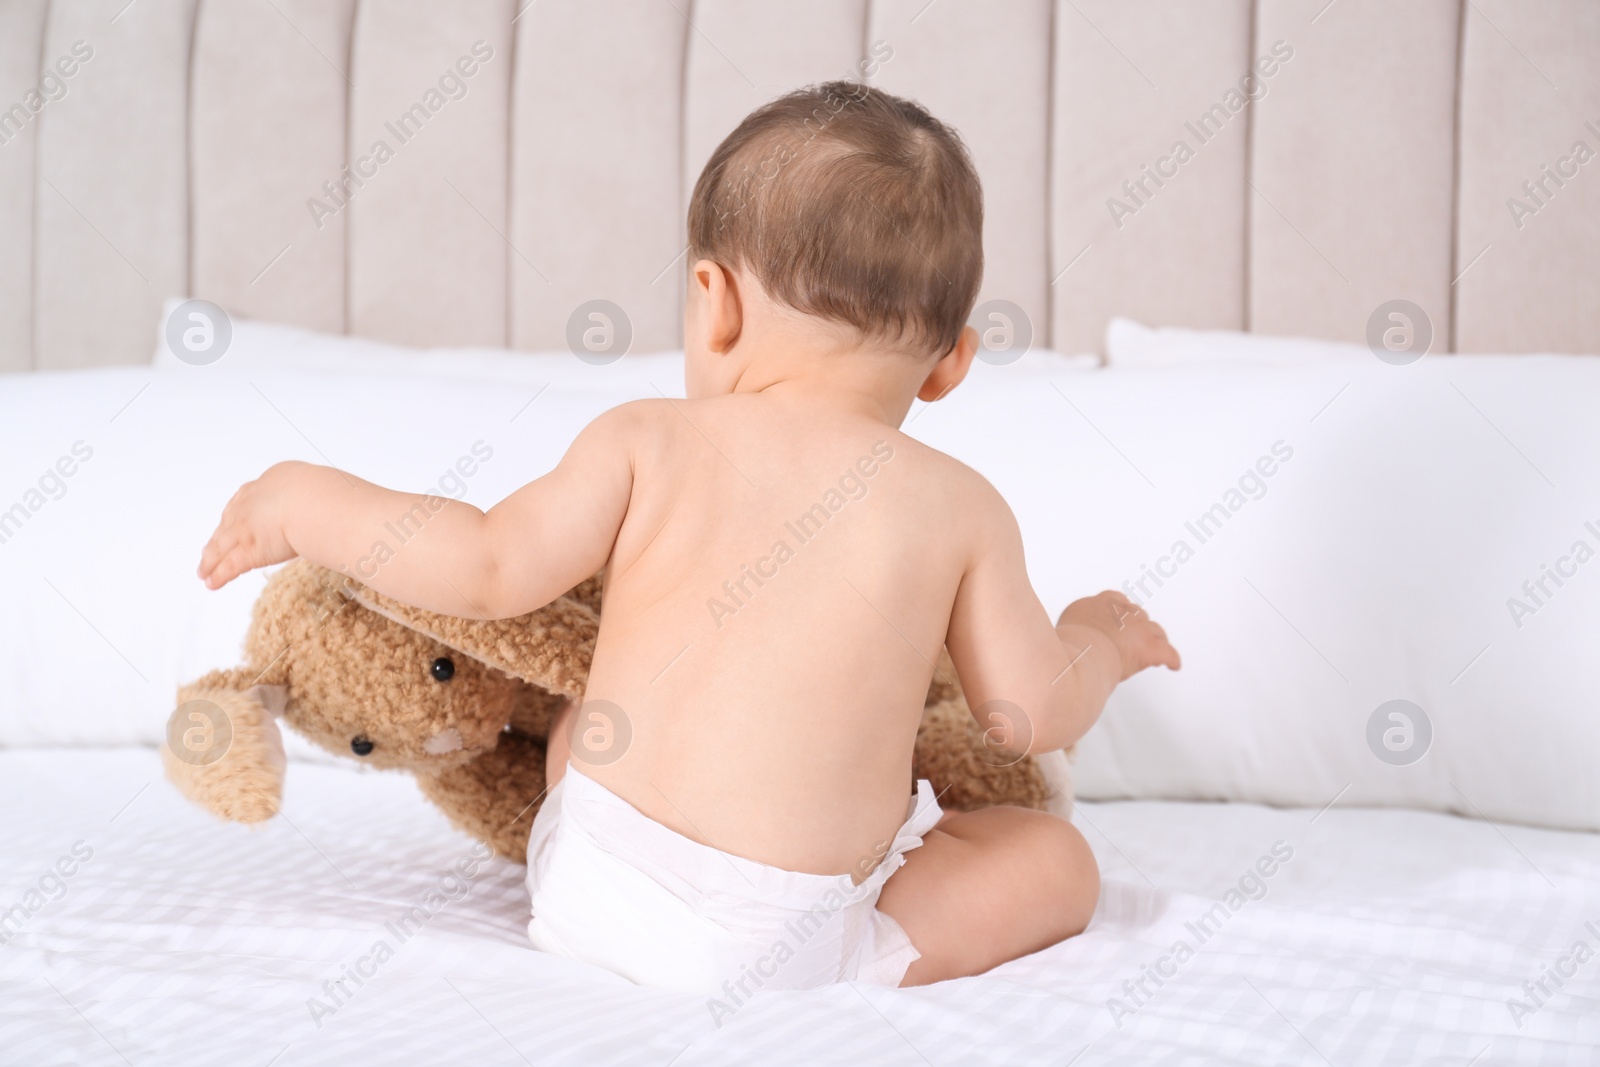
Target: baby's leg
x,y
559,745
989,886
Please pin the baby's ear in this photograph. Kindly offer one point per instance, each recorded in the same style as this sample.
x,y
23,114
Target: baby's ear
x,y
223,748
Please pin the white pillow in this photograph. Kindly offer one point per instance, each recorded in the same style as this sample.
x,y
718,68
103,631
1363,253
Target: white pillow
x,y
247,343
1131,344
1379,563
105,616
104,613
1384,559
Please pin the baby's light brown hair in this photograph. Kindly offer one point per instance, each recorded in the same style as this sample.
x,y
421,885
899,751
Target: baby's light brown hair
x,y
850,204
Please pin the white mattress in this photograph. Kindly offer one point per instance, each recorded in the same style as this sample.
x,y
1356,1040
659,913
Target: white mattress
x,y
1389,937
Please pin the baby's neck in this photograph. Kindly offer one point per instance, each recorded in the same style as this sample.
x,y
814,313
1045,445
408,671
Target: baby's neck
x,y
883,405
831,373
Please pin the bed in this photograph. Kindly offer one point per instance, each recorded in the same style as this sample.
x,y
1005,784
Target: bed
x,y
1386,937
1319,920
1292,874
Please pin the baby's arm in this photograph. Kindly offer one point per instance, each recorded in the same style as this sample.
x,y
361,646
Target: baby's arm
x,y
518,556
1006,650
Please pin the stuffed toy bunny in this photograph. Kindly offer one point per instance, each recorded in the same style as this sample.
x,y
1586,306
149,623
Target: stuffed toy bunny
x,y
463,705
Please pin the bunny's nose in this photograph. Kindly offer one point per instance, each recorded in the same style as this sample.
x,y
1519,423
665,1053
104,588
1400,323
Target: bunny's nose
x,y
444,741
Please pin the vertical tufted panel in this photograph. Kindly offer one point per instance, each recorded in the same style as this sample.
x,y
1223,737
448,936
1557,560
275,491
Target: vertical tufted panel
x,y
111,224
1134,82
985,69
748,51
1353,166
563,173
596,165
21,37
267,129
742,53
428,242
1530,96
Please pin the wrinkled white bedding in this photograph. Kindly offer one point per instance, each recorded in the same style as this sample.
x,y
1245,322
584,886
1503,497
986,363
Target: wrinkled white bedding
x,y
1384,937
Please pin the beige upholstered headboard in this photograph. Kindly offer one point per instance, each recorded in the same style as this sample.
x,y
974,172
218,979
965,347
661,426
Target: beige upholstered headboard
x,y
538,154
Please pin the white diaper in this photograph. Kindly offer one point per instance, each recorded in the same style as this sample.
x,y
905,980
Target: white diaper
x,y
617,889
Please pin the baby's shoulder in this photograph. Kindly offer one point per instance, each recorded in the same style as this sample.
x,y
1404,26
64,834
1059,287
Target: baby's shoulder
x,y
635,421
946,482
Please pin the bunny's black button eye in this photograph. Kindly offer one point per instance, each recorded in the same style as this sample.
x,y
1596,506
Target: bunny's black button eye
x,y
361,746
443,669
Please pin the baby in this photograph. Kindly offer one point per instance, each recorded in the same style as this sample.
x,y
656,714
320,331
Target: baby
x,y
734,809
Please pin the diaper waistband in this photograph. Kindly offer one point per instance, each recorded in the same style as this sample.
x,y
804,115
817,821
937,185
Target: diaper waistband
x,y
698,870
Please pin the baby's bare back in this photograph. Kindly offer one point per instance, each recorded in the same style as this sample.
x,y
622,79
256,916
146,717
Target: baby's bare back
x,y
777,598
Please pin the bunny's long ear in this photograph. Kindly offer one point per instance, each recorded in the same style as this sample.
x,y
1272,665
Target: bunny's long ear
x,y
223,748
588,591
550,648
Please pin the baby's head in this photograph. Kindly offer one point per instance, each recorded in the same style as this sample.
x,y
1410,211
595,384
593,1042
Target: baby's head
x,y
841,225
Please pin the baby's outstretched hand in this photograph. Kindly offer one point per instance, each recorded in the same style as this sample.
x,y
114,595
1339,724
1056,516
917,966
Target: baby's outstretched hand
x,y
1138,639
250,534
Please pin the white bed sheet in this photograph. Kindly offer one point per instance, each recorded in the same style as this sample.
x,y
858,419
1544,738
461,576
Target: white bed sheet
x,y
1388,937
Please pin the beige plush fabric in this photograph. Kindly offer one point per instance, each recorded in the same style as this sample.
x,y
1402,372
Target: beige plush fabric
x,y
111,237
21,32
1353,166
361,685
1530,92
597,149
985,69
428,250
267,129
965,772
550,648
359,674
1133,77
1383,161
244,783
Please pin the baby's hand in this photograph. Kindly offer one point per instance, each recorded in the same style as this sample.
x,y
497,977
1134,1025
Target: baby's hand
x,y
1137,638
250,534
